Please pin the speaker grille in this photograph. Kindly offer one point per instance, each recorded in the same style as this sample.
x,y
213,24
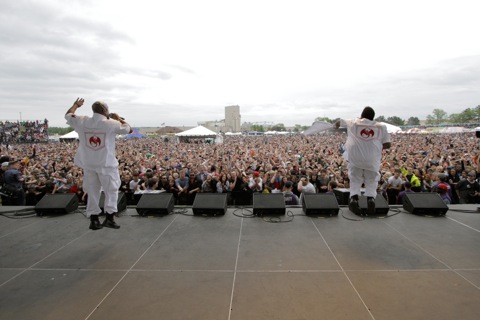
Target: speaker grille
x,y
272,204
425,203
381,206
210,204
155,204
121,202
59,203
318,204
342,195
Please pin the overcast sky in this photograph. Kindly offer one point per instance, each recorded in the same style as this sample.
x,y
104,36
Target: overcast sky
x,y
179,62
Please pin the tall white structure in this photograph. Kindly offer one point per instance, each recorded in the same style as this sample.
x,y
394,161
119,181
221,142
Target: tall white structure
x,y
232,118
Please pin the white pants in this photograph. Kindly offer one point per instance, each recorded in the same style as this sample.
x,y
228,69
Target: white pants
x,y
93,182
358,177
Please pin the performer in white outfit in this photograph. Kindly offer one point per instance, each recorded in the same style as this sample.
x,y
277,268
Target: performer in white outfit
x,y
96,155
366,139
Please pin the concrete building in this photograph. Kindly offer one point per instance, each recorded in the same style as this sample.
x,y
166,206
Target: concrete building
x,y
231,123
232,118
214,125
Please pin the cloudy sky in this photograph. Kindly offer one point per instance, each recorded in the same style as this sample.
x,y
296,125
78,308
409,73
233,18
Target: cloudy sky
x,y
179,62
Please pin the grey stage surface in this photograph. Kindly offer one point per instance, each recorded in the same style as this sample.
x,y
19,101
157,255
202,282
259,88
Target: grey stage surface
x,y
183,267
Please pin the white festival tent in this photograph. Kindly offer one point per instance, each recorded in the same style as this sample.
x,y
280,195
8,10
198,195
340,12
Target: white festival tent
x,y
391,128
72,135
415,130
276,132
319,126
197,132
453,130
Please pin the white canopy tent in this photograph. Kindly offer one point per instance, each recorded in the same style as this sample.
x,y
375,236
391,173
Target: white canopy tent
x,y
196,133
391,128
415,130
322,126
72,135
276,132
453,130
199,131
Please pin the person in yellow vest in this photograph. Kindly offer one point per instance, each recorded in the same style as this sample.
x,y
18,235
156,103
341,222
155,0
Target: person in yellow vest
x,y
412,178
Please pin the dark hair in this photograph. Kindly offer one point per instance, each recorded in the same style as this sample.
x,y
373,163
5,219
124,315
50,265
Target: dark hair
x,y
151,182
148,175
368,113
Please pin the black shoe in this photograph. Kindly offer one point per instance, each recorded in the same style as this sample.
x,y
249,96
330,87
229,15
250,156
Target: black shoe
x,y
354,206
370,206
110,223
95,225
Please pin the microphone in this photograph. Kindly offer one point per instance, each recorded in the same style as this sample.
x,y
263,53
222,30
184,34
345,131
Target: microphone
x,y
110,116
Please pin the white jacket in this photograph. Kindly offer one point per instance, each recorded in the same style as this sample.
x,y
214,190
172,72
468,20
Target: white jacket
x,y
96,135
364,145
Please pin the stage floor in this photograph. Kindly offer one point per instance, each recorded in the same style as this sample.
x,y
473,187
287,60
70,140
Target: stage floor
x,y
228,267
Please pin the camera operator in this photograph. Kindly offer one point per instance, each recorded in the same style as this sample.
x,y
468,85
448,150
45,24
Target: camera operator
x,y
13,179
468,189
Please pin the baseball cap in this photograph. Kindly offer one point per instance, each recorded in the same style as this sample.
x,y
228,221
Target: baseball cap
x,y
442,186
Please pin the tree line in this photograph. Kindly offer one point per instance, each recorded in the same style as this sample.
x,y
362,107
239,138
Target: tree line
x,y
437,117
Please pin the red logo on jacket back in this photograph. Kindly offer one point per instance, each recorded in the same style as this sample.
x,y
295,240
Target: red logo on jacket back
x,y
95,141
367,133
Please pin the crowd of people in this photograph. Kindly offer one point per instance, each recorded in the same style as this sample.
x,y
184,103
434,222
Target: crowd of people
x,y
242,165
14,132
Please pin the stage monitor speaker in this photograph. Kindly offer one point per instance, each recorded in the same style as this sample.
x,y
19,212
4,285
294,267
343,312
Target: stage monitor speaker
x,y
320,204
210,204
121,202
58,203
342,195
425,204
155,204
381,206
268,204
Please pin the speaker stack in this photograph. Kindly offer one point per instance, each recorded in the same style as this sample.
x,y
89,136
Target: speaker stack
x,y
160,204
320,204
210,204
58,203
121,202
342,195
268,204
381,206
425,204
